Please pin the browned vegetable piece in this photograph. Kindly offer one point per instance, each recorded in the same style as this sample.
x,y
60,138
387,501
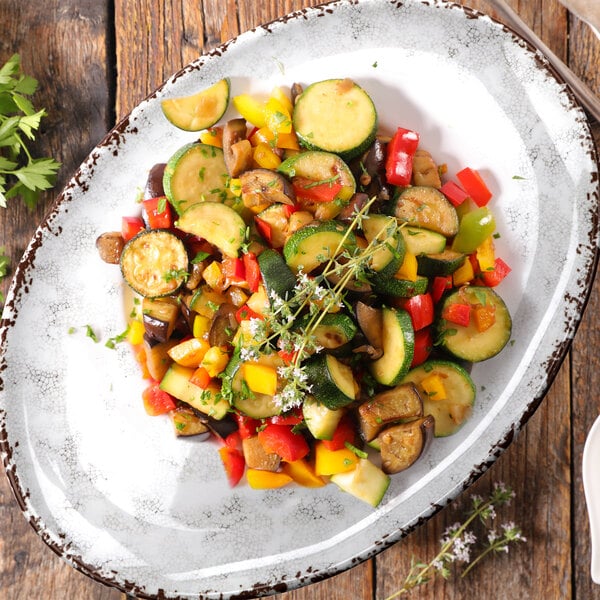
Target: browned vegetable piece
x,y
401,445
370,321
154,183
160,316
263,187
158,360
110,245
186,422
425,171
237,150
223,326
401,402
348,212
256,457
296,90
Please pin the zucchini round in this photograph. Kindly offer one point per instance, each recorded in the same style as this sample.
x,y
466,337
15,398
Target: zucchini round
x,y
334,330
332,382
198,111
335,115
196,173
423,241
451,412
316,244
399,288
468,343
277,276
442,263
398,348
154,263
386,259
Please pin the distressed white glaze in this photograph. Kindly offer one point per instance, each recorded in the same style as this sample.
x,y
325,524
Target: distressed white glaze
x,y
110,489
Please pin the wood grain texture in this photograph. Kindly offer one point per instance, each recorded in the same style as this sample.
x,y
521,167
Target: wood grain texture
x,y
95,61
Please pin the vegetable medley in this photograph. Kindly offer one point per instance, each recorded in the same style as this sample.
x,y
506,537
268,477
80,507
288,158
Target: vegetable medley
x,y
309,291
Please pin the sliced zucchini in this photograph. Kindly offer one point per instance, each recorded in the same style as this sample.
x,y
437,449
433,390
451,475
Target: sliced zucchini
x,y
426,207
198,111
217,223
398,348
208,401
442,263
320,420
332,382
196,173
470,343
388,257
423,241
401,402
277,277
401,445
399,288
366,482
321,167
316,244
450,412
154,263
335,115
334,330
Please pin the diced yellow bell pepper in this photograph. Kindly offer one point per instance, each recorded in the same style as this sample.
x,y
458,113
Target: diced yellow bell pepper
x,y
215,360
434,387
261,379
283,98
135,333
201,326
303,473
265,157
264,480
329,462
189,353
235,187
486,256
463,274
259,301
277,117
251,108
408,268
213,275
212,137
285,141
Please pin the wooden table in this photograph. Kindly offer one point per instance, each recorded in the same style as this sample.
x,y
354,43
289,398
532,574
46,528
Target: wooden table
x,y
95,60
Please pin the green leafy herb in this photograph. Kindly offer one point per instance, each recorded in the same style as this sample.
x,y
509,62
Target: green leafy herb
x,y
4,266
21,174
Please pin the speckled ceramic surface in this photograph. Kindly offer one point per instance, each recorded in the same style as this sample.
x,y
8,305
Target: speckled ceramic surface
x,y
110,489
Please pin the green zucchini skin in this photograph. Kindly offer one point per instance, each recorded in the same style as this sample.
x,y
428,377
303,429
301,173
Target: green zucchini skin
x,y
388,258
467,343
442,263
335,115
332,383
277,276
399,288
334,330
419,240
449,414
154,263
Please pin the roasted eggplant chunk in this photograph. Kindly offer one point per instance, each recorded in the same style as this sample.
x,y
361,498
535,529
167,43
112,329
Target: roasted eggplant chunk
x,y
401,445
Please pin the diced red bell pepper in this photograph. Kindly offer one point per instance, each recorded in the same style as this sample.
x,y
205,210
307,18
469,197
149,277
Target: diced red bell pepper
x,y
493,278
158,213
264,229
247,426
234,440
288,356
344,432
458,313
234,463
281,440
201,377
245,313
316,191
233,269
157,401
131,226
294,417
420,309
454,193
423,346
253,276
474,185
400,154
439,285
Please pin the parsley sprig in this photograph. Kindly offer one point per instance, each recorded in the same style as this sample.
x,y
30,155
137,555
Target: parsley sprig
x,y
21,174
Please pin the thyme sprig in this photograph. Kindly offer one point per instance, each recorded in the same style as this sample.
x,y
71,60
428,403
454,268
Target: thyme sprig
x,y
290,323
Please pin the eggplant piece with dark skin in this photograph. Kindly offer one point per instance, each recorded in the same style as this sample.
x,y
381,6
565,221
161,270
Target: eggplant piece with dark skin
x,y
237,150
160,317
401,402
263,187
402,445
370,321
187,423
154,184
369,171
223,326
